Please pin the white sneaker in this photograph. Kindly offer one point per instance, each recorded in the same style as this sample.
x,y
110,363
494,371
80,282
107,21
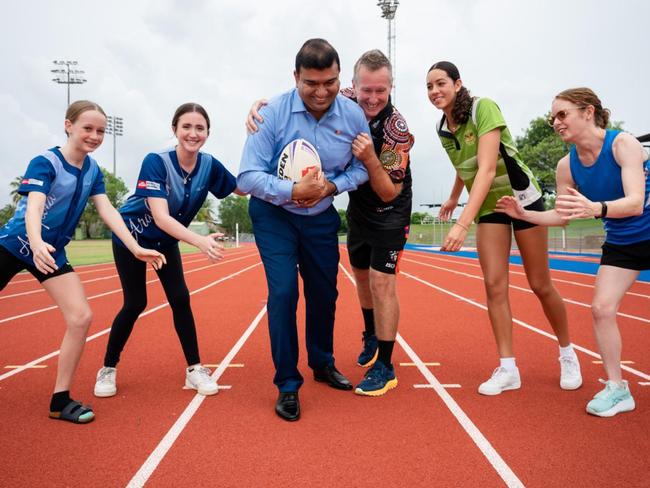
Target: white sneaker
x,y
106,385
570,377
199,379
501,380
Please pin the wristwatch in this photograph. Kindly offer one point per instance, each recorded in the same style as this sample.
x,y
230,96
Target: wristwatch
x,y
603,211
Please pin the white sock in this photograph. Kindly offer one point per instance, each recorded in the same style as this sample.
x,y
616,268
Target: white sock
x,y
508,363
567,351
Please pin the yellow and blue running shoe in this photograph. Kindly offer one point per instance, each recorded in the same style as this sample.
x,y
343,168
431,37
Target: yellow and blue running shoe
x,y
377,381
368,354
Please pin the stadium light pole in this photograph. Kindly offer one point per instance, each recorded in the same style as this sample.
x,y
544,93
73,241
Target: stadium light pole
x,y
388,9
67,74
115,127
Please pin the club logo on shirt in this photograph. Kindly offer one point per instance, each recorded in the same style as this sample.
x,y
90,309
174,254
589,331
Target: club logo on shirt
x,y
470,138
32,181
148,185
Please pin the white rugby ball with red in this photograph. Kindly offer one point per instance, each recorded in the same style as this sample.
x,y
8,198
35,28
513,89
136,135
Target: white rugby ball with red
x,y
296,159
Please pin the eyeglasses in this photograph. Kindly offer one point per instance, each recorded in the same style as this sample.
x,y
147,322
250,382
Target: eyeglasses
x,y
561,115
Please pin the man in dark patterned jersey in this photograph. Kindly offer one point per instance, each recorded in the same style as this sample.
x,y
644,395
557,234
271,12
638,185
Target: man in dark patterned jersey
x,y
379,214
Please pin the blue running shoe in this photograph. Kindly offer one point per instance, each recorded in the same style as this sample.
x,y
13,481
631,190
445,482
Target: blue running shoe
x,y
368,354
377,381
611,400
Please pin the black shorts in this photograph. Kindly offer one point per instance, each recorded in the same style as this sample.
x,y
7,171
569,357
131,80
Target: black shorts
x,y
505,219
376,249
629,256
10,266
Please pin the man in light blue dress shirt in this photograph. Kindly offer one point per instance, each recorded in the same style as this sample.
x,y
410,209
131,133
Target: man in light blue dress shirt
x,y
295,223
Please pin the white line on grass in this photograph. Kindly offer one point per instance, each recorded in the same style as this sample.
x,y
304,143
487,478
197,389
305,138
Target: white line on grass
x,y
107,330
493,457
154,459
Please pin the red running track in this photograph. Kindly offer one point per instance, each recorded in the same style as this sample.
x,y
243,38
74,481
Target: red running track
x,y
433,430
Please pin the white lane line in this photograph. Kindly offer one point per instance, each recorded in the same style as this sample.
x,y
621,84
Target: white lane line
x,y
111,266
452,385
154,459
52,307
526,290
107,330
523,324
413,364
40,289
493,457
559,280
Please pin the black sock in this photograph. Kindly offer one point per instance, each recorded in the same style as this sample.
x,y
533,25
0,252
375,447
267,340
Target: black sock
x,y
385,351
369,320
59,400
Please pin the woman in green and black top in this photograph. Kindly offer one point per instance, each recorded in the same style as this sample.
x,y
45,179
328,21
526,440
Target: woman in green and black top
x,y
479,145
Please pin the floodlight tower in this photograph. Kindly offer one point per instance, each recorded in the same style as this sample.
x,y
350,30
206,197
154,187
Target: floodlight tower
x,y
65,75
388,9
114,126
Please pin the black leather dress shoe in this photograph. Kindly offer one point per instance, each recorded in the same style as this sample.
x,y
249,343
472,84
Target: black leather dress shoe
x,y
288,406
332,377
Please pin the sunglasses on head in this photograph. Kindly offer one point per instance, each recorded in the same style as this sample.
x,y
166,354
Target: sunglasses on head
x,y
561,115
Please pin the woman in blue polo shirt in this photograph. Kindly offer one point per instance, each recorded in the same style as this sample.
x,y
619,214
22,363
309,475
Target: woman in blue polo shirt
x,y
172,186
610,170
56,187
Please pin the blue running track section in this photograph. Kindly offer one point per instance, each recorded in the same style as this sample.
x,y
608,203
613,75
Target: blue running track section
x,y
558,264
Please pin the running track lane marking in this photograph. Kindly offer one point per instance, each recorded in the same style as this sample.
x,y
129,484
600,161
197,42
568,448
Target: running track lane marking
x,y
154,459
559,280
497,462
41,290
46,309
107,330
523,324
526,290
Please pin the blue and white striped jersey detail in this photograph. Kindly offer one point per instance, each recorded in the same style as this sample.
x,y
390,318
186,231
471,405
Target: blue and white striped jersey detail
x,y
67,191
162,177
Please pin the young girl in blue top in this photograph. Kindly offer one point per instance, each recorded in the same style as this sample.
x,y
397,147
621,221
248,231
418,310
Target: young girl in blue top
x,y
605,176
56,187
172,186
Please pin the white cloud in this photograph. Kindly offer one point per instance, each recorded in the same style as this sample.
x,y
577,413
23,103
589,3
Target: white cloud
x,y
143,58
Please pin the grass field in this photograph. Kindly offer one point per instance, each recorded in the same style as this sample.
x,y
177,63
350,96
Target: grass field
x,y
94,251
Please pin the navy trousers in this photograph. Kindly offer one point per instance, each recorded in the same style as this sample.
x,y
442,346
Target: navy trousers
x,y
288,244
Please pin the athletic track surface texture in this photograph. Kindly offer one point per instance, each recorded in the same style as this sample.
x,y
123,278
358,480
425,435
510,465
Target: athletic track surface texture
x,y
433,430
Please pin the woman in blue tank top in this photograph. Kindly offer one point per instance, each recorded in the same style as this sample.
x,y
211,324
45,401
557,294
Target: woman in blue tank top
x,y
56,187
605,176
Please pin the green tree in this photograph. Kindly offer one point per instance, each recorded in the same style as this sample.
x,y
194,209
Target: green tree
x,y
116,191
14,185
343,228
416,217
205,212
234,210
6,213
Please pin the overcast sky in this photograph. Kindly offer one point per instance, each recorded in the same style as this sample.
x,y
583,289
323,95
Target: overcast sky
x,y
143,58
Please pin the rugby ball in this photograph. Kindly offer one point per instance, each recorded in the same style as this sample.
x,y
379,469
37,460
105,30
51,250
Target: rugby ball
x,y
296,159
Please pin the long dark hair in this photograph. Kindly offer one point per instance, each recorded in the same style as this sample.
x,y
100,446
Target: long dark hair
x,y
463,104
